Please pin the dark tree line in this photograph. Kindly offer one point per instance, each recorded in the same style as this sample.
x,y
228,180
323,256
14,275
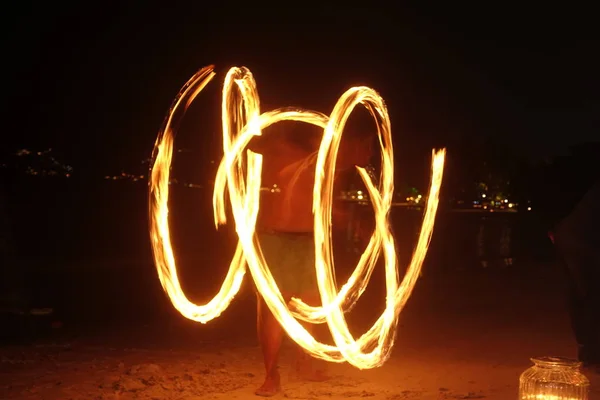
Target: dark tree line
x,y
558,184
553,186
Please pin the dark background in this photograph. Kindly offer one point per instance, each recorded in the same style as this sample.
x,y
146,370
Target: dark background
x,y
94,81
508,90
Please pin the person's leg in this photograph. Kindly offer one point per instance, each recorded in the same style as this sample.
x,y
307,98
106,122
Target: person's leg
x,y
270,335
591,350
481,244
506,243
307,367
301,258
577,312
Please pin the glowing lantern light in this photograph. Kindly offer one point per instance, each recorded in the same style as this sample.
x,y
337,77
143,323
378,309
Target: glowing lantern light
x,y
553,378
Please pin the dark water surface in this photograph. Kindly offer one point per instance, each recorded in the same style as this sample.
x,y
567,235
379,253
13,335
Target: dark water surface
x,y
85,252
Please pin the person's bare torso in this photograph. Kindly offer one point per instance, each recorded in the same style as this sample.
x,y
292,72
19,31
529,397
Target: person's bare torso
x,y
286,198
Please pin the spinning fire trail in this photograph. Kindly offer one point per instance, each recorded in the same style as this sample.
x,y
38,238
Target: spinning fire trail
x,y
240,174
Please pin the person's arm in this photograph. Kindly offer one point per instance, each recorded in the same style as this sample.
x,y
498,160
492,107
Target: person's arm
x,y
258,144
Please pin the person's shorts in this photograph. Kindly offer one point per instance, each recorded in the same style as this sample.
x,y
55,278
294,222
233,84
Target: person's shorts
x,y
291,259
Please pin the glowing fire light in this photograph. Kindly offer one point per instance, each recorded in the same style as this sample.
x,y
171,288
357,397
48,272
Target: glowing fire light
x,y
240,173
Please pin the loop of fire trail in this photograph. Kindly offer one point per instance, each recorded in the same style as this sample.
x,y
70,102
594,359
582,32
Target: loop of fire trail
x,y
239,174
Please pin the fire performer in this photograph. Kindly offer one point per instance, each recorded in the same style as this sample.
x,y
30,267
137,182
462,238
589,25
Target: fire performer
x,y
285,227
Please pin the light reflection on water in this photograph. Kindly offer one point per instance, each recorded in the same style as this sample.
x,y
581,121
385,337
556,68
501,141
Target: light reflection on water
x,y
94,244
494,241
462,241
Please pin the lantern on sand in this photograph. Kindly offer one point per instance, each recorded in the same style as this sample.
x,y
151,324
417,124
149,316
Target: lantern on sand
x,y
553,378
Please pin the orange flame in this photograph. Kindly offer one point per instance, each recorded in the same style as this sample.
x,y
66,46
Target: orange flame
x,y
240,174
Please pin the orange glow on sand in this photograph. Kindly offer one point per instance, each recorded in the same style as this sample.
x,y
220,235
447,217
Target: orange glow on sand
x,y
239,174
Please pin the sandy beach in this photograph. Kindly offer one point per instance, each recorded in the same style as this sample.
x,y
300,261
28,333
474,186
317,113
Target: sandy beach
x,y
463,335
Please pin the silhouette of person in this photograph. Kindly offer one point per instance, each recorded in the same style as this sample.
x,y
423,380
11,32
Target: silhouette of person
x,y
577,240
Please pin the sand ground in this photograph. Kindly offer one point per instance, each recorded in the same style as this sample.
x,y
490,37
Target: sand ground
x,y
464,335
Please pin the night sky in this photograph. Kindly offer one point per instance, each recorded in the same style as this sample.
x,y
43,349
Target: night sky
x,y
94,81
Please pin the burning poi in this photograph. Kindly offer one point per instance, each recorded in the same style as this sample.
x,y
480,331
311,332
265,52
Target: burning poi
x,y
240,174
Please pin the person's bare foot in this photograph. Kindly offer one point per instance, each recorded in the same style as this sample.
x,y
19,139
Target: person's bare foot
x,y
270,387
